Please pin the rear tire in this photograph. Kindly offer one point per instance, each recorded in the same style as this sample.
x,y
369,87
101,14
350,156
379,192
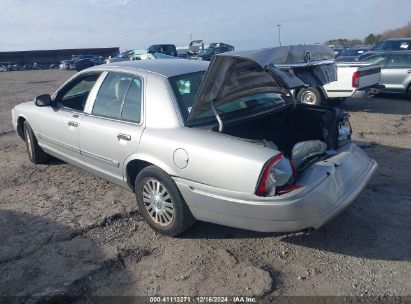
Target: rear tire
x,y
310,95
161,203
35,152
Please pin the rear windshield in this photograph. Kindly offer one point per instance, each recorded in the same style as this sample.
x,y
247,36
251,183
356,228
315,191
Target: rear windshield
x,y
260,101
186,87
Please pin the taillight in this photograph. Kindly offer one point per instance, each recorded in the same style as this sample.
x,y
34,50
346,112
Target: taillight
x,y
356,80
278,172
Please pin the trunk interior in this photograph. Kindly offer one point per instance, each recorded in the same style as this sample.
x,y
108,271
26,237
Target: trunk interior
x,y
289,126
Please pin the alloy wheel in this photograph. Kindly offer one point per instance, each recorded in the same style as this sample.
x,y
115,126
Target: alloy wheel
x,y
309,98
158,202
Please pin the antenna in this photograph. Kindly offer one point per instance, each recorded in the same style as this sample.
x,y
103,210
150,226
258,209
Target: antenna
x,y
279,34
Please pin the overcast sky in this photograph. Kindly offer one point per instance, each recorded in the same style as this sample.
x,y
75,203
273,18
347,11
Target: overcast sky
x,y
135,24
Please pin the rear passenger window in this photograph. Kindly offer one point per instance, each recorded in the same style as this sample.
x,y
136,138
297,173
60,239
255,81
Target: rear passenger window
x,y
400,60
131,110
111,95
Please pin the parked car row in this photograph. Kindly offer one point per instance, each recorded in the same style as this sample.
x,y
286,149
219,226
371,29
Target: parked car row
x,y
139,55
362,71
77,62
8,67
196,50
81,62
395,44
351,54
384,68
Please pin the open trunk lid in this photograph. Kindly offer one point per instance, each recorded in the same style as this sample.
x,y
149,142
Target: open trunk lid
x,y
234,75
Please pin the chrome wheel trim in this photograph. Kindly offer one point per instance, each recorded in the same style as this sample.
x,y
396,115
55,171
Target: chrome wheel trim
x,y
158,202
29,147
309,98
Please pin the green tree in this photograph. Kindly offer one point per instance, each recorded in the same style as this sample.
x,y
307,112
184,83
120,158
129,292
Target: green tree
x,y
372,39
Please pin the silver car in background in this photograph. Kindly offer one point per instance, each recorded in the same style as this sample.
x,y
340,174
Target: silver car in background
x,y
224,143
395,71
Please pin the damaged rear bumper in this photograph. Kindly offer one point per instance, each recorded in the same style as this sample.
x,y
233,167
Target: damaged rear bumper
x,y
369,92
327,188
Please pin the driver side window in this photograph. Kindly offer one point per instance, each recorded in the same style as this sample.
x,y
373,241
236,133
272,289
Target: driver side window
x,y
75,94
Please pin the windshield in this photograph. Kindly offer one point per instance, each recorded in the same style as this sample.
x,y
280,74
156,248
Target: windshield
x,y
186,87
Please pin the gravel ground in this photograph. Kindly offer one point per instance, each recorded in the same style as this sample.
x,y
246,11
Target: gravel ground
x,y
65,232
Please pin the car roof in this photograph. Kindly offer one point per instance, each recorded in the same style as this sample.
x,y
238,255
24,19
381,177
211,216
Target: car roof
x,y
392,52
164,67
161,44
397,39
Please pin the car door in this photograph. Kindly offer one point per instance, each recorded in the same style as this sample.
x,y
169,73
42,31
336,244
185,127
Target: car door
x,y
58,124
397,72
111,130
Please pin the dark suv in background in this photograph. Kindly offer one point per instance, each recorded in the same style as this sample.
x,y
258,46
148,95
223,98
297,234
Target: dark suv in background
x,y
213,49
167,49
395,44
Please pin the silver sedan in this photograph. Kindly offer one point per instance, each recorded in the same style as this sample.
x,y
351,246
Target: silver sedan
x,y
395,71
224,143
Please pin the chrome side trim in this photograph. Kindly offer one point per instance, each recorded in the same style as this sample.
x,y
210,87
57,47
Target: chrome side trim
x,y
59,143
113,119
111,162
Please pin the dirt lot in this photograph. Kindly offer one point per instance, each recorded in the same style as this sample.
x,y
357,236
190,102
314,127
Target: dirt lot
x,y
65,232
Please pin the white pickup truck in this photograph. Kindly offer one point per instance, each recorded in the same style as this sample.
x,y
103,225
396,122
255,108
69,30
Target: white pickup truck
x,y
354,79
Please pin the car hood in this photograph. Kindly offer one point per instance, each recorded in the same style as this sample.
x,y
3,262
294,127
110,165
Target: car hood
x,y
237,74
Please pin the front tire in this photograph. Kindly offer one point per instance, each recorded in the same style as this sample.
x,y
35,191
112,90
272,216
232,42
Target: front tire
x,y
161,203
35,152
310,95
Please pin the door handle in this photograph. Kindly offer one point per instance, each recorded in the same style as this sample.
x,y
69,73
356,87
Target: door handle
x,y
409,71
72,124
123,136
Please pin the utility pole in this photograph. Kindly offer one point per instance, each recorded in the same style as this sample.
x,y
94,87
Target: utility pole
x,y
279,33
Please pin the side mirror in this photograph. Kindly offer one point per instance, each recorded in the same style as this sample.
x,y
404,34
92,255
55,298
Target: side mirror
x,y
43,100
